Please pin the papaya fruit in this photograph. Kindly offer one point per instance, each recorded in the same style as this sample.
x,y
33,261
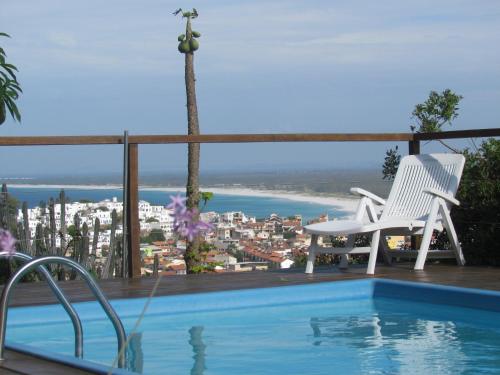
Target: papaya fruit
x,y
184,47
194,44
196,34
181,37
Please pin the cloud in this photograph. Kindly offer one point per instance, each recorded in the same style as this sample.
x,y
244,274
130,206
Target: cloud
x,y
123,37
62,39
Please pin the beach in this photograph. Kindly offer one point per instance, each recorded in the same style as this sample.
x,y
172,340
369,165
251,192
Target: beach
x,y
340,203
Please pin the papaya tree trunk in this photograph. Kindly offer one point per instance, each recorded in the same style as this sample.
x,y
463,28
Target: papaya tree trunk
x,y
192,187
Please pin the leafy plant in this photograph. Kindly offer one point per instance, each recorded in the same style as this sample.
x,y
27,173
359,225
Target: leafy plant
x,y
391,163
436,111
430,116
9,87
205,196
477,219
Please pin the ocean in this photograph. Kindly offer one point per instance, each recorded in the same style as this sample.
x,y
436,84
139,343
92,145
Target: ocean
x,y
259,207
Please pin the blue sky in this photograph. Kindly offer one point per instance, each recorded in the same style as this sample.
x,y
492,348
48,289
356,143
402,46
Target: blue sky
x,y
100,67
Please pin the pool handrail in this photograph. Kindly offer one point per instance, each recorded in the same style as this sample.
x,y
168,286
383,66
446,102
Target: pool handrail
x,y
73,315
34,264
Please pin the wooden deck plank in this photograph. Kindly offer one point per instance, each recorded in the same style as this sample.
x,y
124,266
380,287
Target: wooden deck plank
x,y
18,363
39,294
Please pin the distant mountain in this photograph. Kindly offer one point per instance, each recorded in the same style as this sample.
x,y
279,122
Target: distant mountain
x,y
323,181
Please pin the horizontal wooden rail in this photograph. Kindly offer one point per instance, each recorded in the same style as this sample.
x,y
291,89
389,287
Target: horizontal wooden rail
x,y
250,138
243,138
205,138
62,140
474,133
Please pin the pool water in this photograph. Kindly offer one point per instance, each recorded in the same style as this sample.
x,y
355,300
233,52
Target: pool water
x,y
327,328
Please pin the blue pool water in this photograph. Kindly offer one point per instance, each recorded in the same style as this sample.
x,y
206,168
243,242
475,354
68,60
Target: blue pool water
x,y
341,327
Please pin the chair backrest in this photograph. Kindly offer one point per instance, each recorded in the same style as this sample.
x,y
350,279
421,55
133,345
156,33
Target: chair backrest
x,y
417,172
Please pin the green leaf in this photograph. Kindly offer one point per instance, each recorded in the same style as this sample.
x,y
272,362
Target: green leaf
x,y
10,71
9,66
4,34
206,195
12,107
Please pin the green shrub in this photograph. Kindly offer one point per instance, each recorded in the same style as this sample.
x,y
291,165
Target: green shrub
x,y
477,219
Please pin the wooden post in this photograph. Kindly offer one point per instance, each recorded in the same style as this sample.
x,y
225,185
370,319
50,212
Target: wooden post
x,y
125,235
134,253
414,147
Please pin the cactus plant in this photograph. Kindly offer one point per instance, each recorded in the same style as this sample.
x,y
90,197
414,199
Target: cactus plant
x,y
26,227
8,210
76,235
95,240
52,227
3,207
118,258
107,270
63,229
37,245
21,242
46,240
156,264
84,246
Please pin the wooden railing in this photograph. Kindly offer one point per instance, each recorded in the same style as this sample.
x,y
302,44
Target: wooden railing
x,y
131,159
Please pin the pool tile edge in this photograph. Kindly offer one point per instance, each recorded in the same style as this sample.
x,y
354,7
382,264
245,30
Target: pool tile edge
x,y
437,294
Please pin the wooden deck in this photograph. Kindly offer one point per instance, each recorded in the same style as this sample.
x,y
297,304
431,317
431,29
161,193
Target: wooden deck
x,y
40,294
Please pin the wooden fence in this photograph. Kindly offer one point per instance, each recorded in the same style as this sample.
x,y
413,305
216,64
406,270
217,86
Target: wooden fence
x,y
131,160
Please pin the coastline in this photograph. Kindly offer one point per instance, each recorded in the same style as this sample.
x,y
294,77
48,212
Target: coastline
x,y
342,203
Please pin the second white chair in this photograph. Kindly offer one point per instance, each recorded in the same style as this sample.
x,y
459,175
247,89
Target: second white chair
x,y
419,203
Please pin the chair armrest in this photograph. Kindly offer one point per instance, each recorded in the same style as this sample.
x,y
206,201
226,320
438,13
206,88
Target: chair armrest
x,y
440,194
364,193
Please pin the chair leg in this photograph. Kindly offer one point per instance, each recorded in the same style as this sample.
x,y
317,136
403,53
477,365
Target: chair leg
x,y
384,246
373,253
312,254
426,238
452,236
344,258
344,261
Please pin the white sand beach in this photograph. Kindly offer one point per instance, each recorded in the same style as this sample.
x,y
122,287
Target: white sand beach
x,y
342,203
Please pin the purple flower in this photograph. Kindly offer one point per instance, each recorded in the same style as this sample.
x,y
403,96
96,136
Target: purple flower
x,y
177,204
7,242
186,222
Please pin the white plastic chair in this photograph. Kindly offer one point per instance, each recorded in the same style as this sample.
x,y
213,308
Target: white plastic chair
x,y
419,203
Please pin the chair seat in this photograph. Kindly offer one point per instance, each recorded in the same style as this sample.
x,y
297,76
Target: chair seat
x,y
335,227
346,227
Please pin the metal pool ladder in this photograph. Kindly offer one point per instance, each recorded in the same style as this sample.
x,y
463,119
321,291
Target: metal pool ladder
x,y
39,264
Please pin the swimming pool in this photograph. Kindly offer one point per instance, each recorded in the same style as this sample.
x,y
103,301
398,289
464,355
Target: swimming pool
x,y
370,326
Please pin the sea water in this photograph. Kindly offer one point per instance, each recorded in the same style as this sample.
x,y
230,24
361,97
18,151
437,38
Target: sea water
x,y
259,207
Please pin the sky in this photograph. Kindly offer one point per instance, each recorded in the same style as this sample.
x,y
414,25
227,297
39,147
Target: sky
x,y
291,66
